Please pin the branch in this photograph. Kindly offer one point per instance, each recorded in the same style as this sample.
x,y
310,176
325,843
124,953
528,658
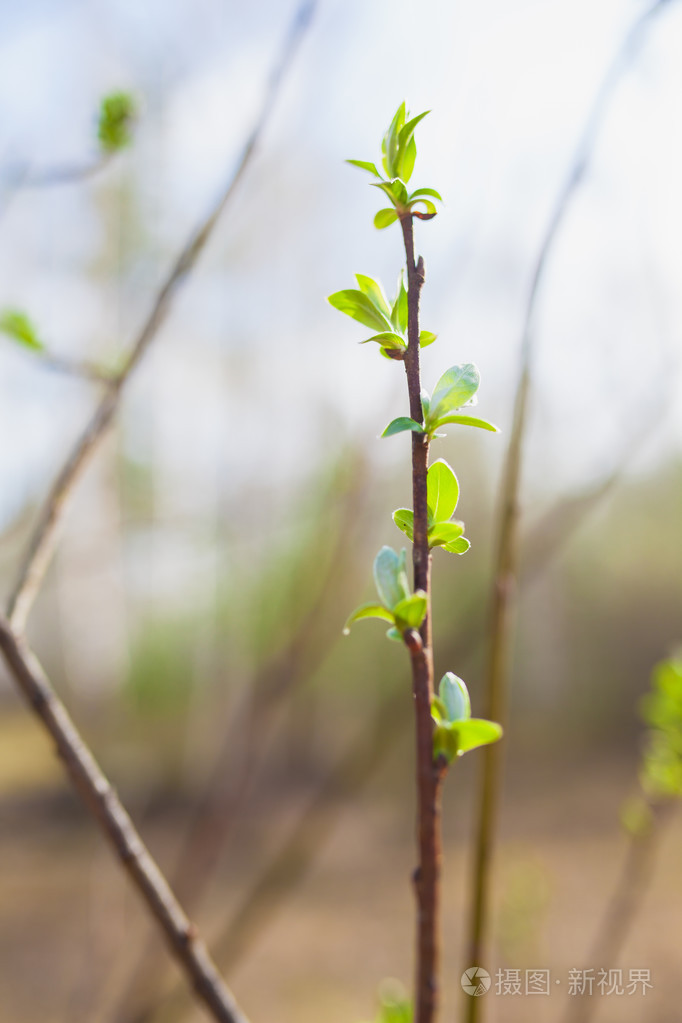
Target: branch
x,y
42,542
102,802
429,777
505,571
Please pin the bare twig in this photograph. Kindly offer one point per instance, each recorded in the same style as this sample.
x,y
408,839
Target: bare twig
x,y
631,886
429,774
102,802
43,539
505,570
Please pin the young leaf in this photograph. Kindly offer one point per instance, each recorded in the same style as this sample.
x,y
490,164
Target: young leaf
x,y
426,338
374,293
395,190
404,520
400,424
460,546
456,387
399,310
17,325
393,633
429,208
367,611
387,339
390,142
426,403
358,306
425,191
365,165
384,218
407,160
442,491
410,613
476,732
390,576
444,742
454,696
482,424
442,533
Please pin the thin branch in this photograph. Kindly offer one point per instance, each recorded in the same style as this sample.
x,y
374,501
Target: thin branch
x,y
104,805
505,570
429,775
42,542
632,884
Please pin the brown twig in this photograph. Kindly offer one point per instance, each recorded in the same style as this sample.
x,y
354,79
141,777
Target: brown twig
x,y
631,886
102,802
43,539
505,565
429,775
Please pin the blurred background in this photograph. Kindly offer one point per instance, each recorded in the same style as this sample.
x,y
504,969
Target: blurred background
x,y
192,616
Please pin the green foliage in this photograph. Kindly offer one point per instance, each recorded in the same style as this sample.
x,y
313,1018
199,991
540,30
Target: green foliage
x,y
399,152
403,609
117,115
394,1005
456,732
442,495
661,710
456,389
368,305
17,325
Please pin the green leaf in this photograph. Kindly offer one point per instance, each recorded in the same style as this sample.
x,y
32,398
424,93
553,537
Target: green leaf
x,y
426,403
476,732
374,292
365,165
400,424
456,387
399,310
407,160
460,546
390,576
387,339
442,491
395,190
367,611
425,191
429,207
442,533
390,142
116,119
404,520
444,742
454,696
426,338
407,148
393,633
17,325
410,613
358,306
385,218
482,424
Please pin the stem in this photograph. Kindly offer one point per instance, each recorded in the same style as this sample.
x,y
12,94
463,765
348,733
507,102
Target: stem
x,y
104,805
505,572
429,774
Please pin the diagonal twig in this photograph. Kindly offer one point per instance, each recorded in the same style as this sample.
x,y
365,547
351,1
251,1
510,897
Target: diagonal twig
x,y
102,802
43,538
506,567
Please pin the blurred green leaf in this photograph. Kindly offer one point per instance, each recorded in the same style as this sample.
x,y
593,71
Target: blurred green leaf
x,y
116,119
442,491
399,310
425,191
387,339
368,611
441,533
395,190
407,160
411,611
407,148
375,293
365,165
426,337
429,207
482,424
460,546
476,732
358,306
390,576
17,325
384,218
400,424
390,142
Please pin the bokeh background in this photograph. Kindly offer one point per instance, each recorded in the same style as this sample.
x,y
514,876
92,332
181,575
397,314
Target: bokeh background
x,y
192,617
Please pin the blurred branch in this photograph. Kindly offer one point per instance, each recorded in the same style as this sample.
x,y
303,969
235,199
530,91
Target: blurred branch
x,y
104,805
77,368
506,570
631,886
228,791
41,544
